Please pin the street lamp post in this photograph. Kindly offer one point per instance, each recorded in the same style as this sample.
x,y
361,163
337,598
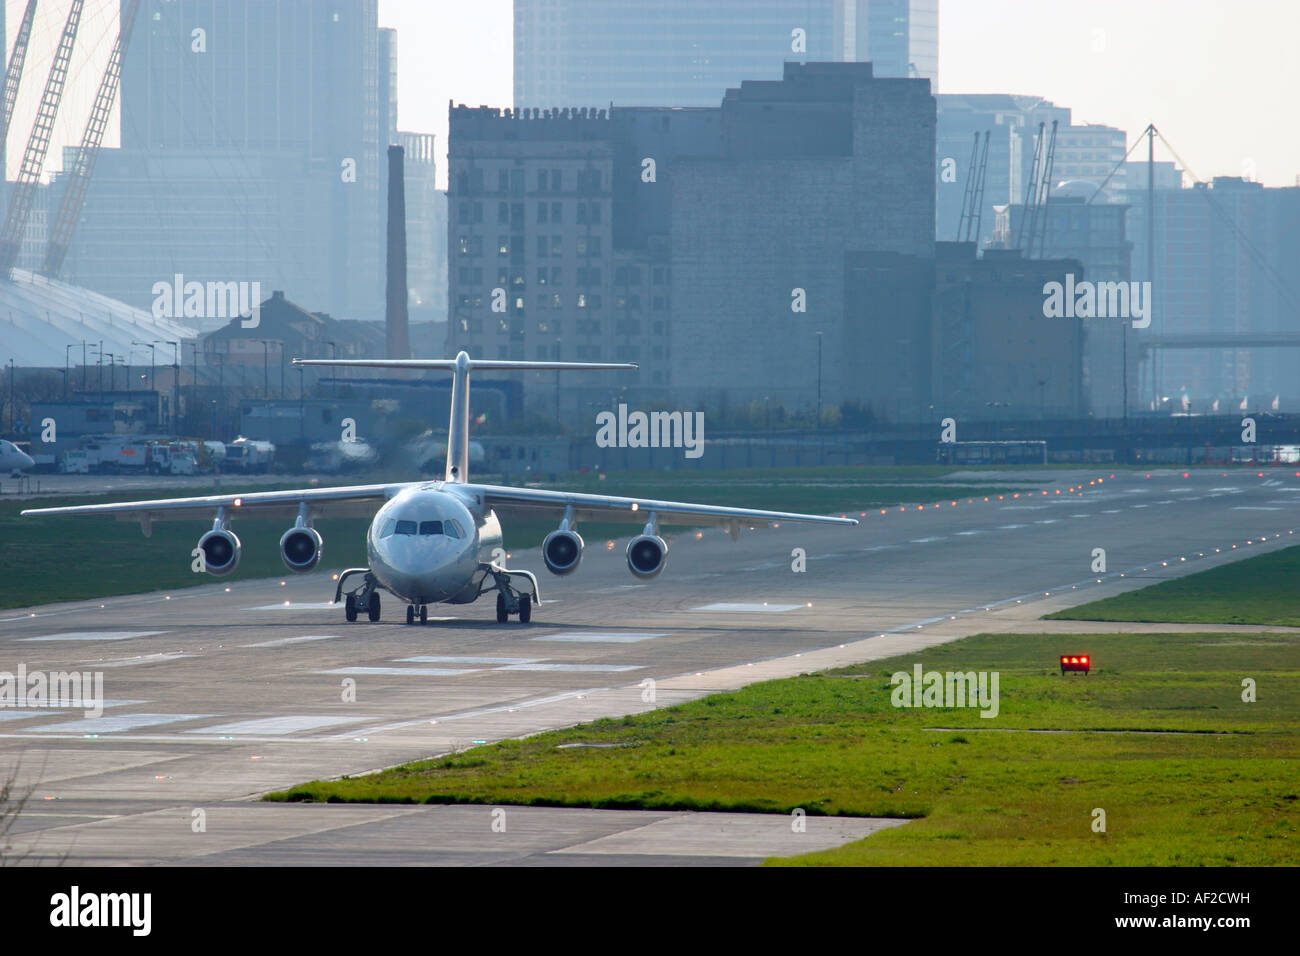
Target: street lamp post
x,y
176,379
266,367
819,381
67,367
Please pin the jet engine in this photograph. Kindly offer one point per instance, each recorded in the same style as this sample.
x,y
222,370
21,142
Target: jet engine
x,y
646,556
562,551
221,550
300,549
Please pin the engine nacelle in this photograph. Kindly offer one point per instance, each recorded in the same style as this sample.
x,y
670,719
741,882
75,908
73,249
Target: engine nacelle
x,y
562,551
646,556
221,551
300,549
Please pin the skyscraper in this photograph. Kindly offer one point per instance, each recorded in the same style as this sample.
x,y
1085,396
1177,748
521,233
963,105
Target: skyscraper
x,y
898,37
250,151
667,53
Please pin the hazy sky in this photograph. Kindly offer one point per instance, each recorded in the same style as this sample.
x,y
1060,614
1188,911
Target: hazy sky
x,y
1220,78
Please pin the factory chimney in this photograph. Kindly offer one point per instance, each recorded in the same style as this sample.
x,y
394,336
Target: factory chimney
x,y
396,320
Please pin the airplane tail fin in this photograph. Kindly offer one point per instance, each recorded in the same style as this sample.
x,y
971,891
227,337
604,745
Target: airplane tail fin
x,y
461,366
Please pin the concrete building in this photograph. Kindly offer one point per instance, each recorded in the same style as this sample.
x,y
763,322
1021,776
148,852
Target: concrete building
x,y
1084,153
1077,225
829,161
678,238
995,355
1225,256
426,238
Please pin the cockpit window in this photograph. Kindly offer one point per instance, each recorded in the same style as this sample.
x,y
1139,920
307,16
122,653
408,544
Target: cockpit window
x,y
406,527
430,527
452,528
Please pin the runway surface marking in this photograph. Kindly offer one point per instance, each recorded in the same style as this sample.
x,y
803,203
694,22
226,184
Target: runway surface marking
x,y
94,636
282,641
111,725
277,725
601,637
733,608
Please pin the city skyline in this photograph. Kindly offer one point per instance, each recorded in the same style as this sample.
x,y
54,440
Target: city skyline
x,y
1218,119
1107,64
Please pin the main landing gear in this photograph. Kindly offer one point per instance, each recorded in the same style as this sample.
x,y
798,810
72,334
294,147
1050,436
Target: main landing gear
x,y
510,600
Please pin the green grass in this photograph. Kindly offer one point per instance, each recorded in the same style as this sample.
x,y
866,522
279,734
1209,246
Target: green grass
x,y
984,792
77,558
39,552
1258,590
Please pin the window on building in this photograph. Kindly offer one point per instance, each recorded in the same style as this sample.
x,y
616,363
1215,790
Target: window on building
x,y
541,275
557,212
541,213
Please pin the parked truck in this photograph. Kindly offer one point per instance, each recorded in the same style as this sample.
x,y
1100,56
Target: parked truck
x,y
249,456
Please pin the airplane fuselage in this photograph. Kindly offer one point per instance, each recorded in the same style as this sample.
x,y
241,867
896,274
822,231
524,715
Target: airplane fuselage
x,y
428,545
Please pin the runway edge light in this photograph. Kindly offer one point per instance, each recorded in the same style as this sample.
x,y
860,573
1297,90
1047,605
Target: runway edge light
x,y
1075,662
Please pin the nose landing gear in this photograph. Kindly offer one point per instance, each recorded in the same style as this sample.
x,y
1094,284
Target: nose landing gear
x,y
413,609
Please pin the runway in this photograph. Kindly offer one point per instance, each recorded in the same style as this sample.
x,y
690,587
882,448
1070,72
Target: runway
x,y
218,693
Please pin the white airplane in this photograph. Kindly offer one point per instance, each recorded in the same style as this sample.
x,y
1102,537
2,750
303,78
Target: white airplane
x,y
13,459
436,542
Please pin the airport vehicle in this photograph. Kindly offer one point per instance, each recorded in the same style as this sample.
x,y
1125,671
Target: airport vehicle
x,y
248,456
173,458
434,542
107,454
13,459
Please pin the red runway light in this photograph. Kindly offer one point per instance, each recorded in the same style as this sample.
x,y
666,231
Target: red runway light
x,y
1074,663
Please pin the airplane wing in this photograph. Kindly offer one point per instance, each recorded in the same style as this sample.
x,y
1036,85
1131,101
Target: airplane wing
x,y
638,510
335,502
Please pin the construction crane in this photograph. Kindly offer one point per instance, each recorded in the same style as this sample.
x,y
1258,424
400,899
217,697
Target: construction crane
x,y
972,203
1044,197
1037,189
14,74
83,166
38,143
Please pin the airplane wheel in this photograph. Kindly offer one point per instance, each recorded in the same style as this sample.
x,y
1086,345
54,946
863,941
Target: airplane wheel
x,y
410,614
373,610
525,609
350,609
501,608
424,614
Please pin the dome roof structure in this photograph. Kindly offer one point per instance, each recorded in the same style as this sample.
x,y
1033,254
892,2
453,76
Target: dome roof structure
x,y
40,318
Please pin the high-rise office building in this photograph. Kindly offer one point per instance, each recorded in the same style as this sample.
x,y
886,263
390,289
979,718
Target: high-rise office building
x,y
251,135
898,37
595,53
